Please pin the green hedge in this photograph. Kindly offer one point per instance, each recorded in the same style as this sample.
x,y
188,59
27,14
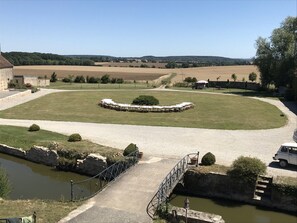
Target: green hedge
x,y
34,128
208,159
145,100
130,149
74,138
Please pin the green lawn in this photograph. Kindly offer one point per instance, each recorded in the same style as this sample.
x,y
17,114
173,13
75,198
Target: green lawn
x,y
26,140
211,111
46,211
87,86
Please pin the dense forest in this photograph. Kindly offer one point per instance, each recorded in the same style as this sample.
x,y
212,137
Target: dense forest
x,y
24,58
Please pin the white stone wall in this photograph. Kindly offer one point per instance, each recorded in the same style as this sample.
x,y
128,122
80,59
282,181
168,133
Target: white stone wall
x,y
5,76
34,81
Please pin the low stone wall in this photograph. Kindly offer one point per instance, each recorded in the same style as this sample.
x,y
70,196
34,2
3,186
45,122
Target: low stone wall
x,y
178,214
219,185
18,95
91,165
110,104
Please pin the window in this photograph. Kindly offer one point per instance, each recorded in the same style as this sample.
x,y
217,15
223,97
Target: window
x,y
293,150
284,149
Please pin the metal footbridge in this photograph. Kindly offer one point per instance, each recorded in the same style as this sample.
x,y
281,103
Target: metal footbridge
x,y
170,181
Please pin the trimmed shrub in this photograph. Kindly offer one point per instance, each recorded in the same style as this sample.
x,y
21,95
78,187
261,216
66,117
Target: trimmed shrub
x,y
34,128
247,169
34,89
145,100
4,184
130,149
74,138
208,159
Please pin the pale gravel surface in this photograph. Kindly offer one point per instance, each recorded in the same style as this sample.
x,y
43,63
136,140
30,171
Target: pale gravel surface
x,y
227,145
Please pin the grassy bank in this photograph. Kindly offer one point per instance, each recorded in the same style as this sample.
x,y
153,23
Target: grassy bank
x,y
47,211
26,139
211,111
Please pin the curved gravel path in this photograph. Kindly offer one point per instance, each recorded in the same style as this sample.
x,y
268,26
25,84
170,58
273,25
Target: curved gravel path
x,y
175,142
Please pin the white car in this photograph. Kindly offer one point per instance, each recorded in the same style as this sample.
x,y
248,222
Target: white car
x,y
287,154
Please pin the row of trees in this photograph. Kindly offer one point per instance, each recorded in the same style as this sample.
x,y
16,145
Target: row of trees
x,y
276,56
105,79
22,58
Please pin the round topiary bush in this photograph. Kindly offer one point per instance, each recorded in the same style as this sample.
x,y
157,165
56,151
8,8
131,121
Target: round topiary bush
x,y
145,100
247,169
74,138
34,128
208,159
130,149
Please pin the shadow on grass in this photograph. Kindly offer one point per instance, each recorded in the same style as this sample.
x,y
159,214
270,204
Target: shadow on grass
x,y
291,105
261,94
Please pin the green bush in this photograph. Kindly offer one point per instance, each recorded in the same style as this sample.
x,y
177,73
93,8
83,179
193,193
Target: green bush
x,y
34,128
74,138
208,159
145,100
4,184
130,149
34,89
247,169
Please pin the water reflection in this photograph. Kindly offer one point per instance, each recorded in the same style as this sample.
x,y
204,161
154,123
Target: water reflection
x,y
234,212
31,180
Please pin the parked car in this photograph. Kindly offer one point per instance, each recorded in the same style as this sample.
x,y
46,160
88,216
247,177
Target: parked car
x,y
287,154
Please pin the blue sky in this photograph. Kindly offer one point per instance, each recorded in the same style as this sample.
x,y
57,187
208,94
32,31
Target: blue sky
x,y
140,27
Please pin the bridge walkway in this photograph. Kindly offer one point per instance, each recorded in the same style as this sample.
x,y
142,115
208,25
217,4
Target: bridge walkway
x,y
126,199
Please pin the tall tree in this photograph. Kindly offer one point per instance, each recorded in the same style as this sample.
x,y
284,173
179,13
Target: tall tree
x,y
275,57
252,76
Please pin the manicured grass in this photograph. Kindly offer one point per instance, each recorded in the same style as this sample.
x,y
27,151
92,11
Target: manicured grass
x,y
46,211
211,111
19,137
87,86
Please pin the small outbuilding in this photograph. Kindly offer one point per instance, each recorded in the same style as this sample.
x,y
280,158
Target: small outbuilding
x,y
200,84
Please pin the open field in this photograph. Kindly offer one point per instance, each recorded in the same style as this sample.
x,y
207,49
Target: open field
x,y
47,211
133,63
133,73
211,111
26,140
126,73
212,73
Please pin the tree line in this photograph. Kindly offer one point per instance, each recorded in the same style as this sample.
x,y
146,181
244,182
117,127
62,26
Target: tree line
x,y
23,58
276,56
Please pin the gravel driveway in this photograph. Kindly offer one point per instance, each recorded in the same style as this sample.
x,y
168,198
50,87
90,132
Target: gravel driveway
x,y
227,145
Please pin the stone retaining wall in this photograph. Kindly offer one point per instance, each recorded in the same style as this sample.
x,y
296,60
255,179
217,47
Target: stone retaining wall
x,y
110,104
91,165
219,185
178,214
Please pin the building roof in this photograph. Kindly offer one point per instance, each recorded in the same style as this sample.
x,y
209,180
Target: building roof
x,y
4,63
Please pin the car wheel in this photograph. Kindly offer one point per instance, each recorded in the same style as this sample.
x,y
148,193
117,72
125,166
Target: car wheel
x,y
283,163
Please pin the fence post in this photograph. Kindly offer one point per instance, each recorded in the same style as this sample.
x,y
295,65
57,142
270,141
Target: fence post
x,y
197,162
71,192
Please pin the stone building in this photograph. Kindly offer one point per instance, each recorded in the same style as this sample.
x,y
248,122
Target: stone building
x,y
6,74
32,80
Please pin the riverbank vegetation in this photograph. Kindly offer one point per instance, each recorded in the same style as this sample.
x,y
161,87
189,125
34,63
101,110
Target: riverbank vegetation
x,y
46,211
211,111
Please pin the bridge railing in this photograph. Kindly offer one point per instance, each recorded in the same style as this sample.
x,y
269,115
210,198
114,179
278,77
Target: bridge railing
x,y
89,187
170,182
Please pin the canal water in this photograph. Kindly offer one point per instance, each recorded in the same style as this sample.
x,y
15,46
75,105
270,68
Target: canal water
x,y
234,212
30,180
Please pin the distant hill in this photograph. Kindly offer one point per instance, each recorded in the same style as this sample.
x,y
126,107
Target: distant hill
x,y
24,58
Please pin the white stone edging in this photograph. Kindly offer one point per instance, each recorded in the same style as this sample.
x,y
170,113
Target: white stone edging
x,y
110,104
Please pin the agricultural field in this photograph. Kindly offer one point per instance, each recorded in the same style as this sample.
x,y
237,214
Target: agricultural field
x,y
130,64
140,74
211,111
